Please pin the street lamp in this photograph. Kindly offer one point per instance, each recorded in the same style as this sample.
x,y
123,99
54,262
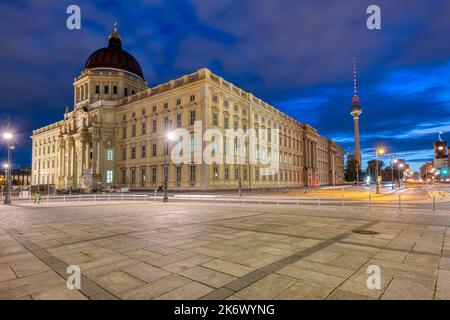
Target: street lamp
x,y
169,136
393,162
8,137
378,151
401,165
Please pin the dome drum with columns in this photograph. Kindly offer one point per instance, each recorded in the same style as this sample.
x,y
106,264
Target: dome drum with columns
x,y
109,73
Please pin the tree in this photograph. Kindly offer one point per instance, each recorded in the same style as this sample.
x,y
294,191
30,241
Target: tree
x,y
371,166
350,170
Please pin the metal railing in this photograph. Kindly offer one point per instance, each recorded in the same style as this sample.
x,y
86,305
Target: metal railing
x,y
298,201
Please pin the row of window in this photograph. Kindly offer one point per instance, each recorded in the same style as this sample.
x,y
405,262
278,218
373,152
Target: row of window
x,y
114,90
155,108
154,176
166,125
45,149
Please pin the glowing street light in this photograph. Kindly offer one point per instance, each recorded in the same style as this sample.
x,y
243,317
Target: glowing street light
x,y
8,137
378,151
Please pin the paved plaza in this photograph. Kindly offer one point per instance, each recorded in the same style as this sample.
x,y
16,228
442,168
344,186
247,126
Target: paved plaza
x,y
191,250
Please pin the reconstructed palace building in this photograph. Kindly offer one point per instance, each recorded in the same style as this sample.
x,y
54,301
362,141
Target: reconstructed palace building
x,y
115,134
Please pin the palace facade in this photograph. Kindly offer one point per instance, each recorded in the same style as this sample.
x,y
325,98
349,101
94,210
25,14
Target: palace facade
x,y
115,135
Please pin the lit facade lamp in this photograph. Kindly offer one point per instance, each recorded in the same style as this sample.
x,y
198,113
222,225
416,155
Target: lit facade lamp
x,y
170,136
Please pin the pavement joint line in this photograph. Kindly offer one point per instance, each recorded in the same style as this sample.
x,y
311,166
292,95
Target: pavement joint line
x,y
59,266
259,273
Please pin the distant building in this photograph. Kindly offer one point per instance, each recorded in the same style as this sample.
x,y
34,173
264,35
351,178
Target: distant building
x,y
441,157
20,177
426,170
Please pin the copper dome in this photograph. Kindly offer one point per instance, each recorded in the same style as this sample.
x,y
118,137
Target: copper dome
x,y
114,56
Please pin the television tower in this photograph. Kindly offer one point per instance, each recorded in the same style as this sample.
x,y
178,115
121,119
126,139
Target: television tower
x,y
356,111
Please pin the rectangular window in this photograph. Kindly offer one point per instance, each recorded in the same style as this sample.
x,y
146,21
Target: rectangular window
x,y
166,123
192,118
166,105
143,177
125,92
154,150
166,149
133,175
154,126
192,173
133,153
124,154
144,128
225,122
106,90
124,175
124,132
97,89
143,152
133,130
215,119
110,154
154,109
114,89
178,174
215,99
109,176
215,173
153,175
192,98
235,125
179,120
178,102
227,173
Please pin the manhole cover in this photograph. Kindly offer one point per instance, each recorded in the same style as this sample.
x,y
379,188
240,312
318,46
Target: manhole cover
x,y
366,232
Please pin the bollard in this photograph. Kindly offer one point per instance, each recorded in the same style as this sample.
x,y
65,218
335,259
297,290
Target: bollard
x,y
370,201
400,202
434,203
318,201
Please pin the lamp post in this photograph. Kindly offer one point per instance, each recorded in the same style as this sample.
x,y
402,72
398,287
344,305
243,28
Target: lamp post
x,y
393,162
378,151
401,165
168,136
8,137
